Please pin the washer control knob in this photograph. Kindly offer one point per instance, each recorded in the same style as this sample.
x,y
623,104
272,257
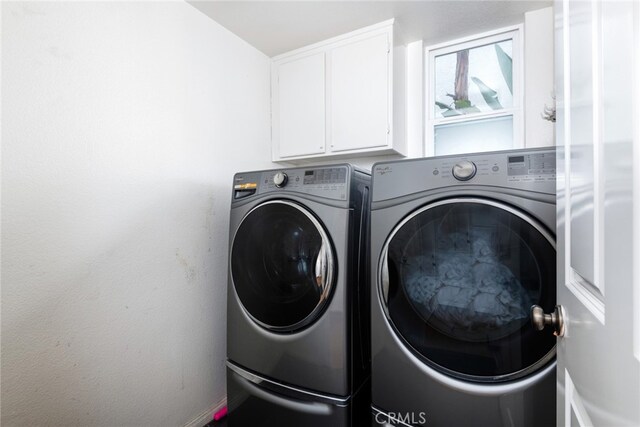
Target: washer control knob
x,y
464,170
280,179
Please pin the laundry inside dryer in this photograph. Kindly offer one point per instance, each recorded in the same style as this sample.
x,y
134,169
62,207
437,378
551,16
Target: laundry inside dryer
x,y
468,273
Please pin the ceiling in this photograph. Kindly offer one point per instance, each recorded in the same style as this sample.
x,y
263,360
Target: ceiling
x,y
275,27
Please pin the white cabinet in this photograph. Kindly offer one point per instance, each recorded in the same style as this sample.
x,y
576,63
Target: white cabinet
x,y
359,94
343,97
301,96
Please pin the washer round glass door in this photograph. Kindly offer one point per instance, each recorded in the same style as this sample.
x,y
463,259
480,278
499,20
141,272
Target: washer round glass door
x,y
457,280
282,266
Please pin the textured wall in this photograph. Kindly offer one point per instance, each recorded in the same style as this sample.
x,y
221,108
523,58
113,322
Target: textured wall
x,y
122,125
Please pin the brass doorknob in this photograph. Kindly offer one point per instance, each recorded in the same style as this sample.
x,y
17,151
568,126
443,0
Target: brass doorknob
x,y
540,320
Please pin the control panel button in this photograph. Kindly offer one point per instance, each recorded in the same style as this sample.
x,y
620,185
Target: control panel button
x,y
280,179
464,170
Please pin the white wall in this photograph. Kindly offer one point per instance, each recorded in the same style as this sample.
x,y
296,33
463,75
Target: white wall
x,y
122,125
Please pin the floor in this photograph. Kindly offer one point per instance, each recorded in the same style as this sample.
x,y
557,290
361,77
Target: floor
x,y
221,423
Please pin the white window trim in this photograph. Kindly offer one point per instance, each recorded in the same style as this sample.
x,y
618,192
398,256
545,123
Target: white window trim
x,y
516,33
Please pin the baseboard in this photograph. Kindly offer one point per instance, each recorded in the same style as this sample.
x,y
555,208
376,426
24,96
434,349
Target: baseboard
x,y
206,416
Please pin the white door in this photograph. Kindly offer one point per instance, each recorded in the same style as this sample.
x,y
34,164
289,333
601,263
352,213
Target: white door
x,y
597,77
360,94
299,106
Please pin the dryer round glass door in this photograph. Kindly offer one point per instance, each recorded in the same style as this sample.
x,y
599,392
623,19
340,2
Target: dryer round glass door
x,y
457,279
282,266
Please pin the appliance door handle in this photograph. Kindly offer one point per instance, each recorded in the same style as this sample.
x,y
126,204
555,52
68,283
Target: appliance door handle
x,y
313,408
323,271
384,276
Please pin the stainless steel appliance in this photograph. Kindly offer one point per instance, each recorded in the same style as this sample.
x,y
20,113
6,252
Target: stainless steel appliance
x,y
297,309
461,248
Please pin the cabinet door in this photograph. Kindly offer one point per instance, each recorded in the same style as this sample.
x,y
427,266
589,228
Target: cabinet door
x,y
360,94
301,106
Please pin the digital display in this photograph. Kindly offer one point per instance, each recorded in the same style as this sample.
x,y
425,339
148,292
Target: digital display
x,y
532,164
325,176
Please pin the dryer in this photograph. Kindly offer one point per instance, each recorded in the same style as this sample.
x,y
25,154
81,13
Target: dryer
x,y
298,302
461,248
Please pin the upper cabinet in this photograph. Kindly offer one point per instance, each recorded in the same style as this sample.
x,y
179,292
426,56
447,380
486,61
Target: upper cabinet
x,y
300,92
340,98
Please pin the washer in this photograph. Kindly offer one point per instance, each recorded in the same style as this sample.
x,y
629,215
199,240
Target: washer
x,y
298,302
461,248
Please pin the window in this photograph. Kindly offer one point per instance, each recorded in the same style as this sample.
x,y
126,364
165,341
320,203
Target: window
x,y
474,94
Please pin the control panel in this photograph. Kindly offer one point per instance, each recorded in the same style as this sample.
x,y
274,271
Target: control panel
x,y
330,182
525,169
530,167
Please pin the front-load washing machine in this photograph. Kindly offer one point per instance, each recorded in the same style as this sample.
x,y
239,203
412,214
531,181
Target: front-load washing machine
x,y
461,248
298,349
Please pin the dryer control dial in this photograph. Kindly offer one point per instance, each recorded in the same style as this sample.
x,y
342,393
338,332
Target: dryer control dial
x,y
464,170
280,179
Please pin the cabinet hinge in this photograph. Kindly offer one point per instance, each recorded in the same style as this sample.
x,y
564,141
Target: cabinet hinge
x,y
388,129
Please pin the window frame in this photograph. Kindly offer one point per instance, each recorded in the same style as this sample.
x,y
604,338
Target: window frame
x,y
514,33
